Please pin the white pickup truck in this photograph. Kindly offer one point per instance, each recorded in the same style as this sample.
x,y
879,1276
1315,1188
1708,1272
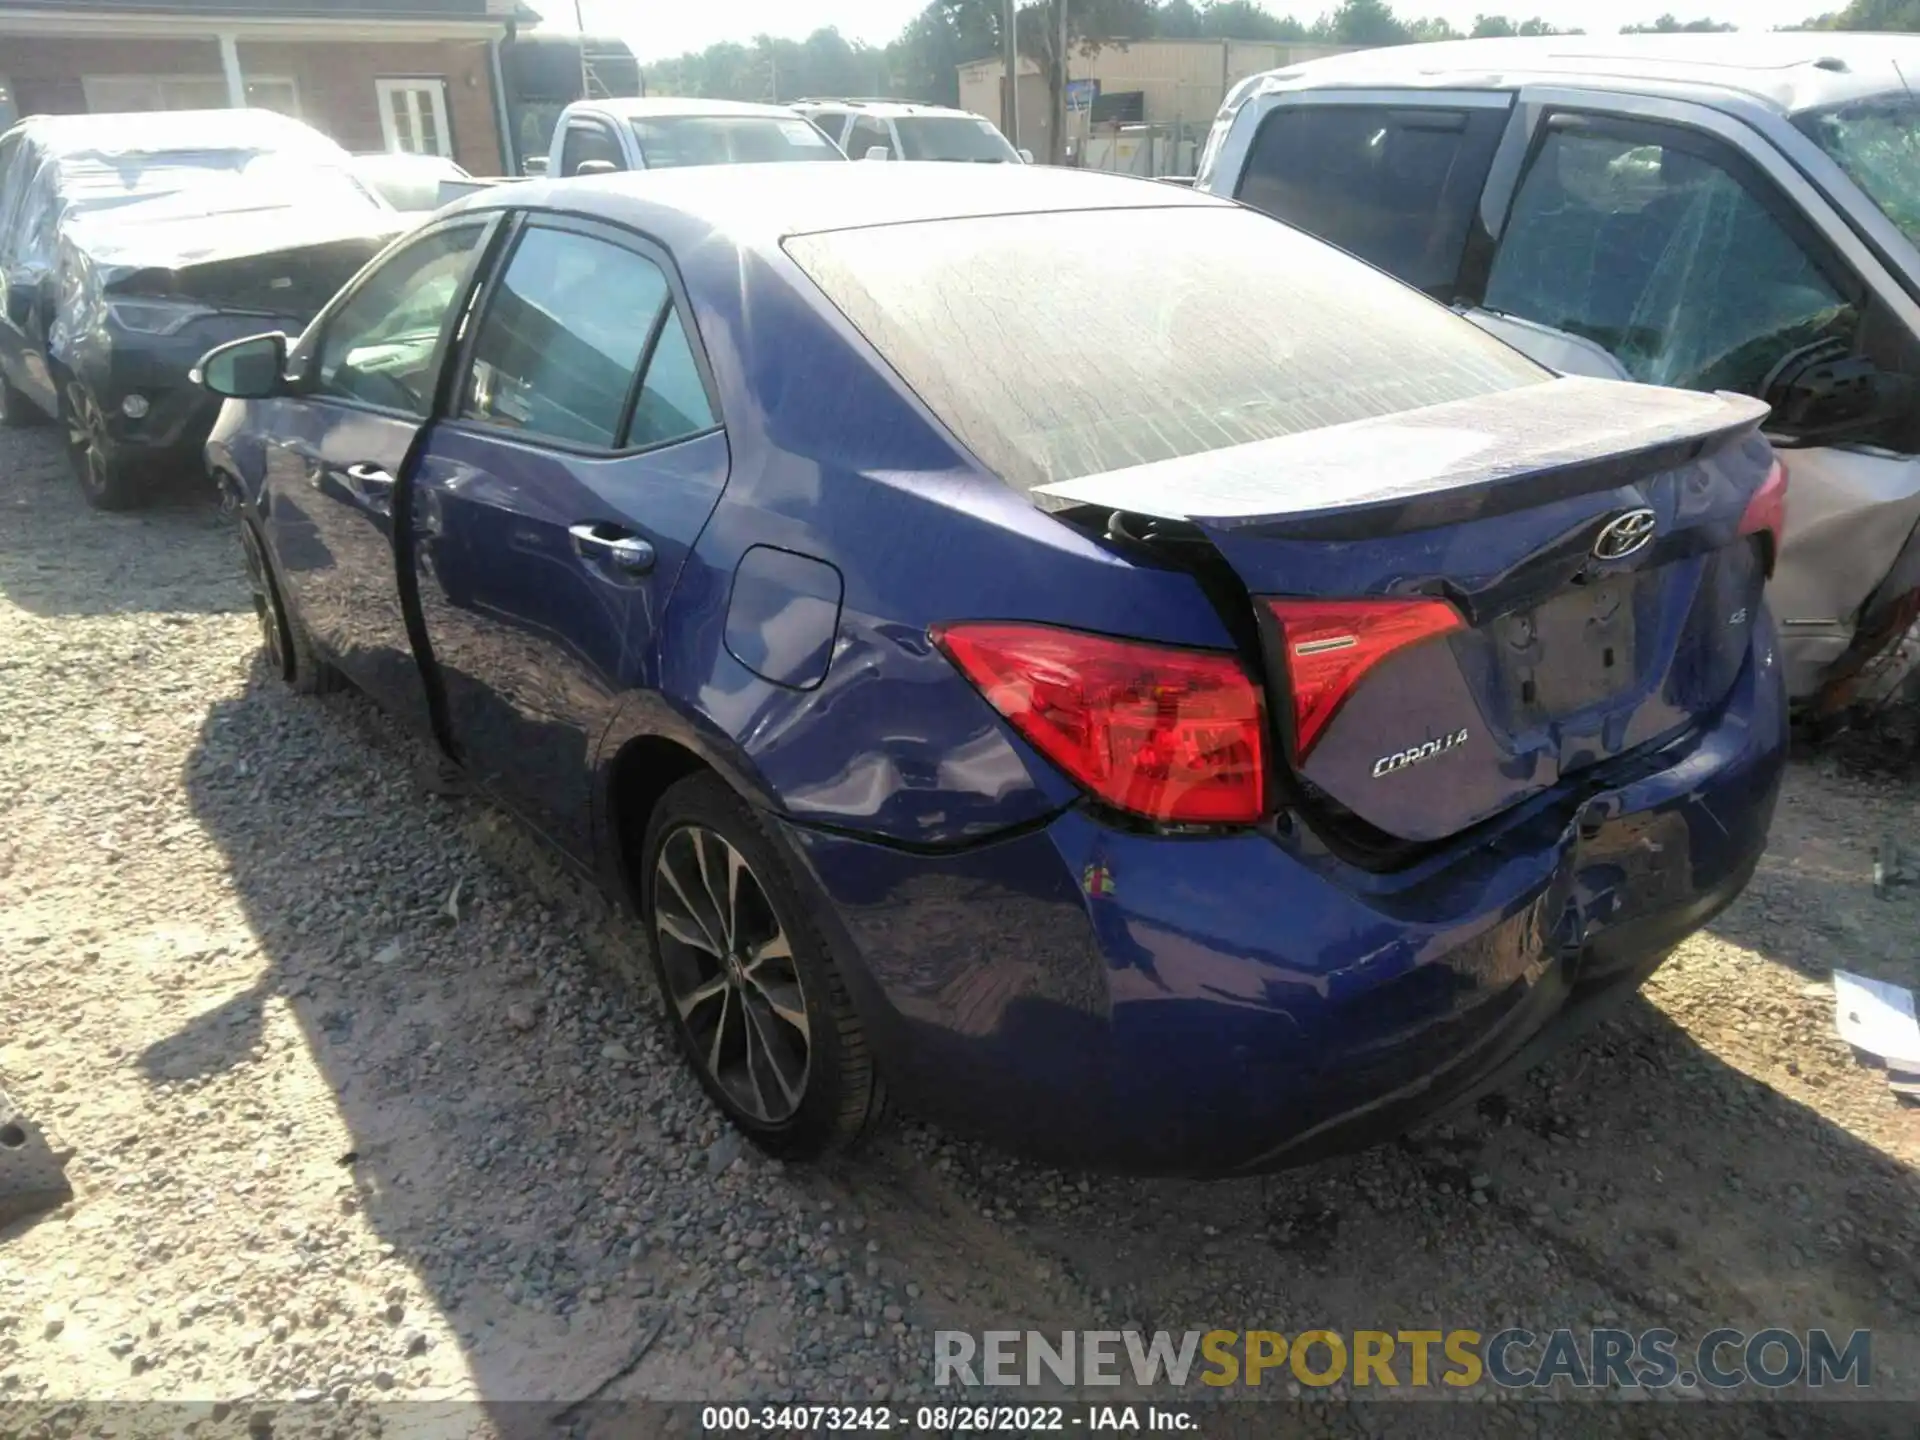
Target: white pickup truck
x,y
601,137
1716,212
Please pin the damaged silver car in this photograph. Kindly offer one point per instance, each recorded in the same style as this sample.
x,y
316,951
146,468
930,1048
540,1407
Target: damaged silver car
x,y
1736,212
130,245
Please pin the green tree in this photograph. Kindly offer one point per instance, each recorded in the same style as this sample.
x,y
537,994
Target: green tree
x,y
1241,20
1499,26
1092,26
1667,25
1870,15
1179,20
941,38
1361,22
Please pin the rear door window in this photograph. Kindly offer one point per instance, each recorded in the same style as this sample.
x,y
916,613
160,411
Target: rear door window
x,y
673,400
1657,245
1397,186
1069,344
572,323
561,338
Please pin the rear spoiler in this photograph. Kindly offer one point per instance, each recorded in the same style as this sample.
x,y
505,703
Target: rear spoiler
x,y
1438,465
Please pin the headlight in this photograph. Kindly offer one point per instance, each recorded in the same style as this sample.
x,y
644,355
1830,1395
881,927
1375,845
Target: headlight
x,y
155,317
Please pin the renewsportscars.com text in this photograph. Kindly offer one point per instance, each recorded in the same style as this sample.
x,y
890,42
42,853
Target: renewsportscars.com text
x,y
1399,1359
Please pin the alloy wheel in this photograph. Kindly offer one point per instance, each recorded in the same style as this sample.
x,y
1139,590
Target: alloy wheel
x,y
86,431
730,975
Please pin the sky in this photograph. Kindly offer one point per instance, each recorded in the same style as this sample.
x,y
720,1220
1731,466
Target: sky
x,y
658,29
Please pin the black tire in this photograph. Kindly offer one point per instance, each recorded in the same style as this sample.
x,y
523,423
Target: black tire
x,y
107,478
283,638
838,1097
17,412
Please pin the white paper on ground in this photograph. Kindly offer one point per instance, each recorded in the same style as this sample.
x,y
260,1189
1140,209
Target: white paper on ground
x,y
1877,1017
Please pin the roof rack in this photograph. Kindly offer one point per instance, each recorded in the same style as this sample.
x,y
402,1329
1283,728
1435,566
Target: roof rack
x,y
852,100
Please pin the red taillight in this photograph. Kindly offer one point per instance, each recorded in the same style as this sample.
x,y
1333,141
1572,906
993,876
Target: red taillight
x,y
1767,511
1175,735
1330,646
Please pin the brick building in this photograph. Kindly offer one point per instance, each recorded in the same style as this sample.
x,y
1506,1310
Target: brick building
x,y
416,75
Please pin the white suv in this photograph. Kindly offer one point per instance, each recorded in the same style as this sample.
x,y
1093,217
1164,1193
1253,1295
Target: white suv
x,y
899,130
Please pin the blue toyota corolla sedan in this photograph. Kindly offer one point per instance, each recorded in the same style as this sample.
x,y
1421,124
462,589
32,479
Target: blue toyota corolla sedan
x,y
1070,653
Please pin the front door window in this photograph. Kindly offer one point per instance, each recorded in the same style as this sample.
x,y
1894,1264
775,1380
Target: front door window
x,y
413,116
379,348
1649,242
868,134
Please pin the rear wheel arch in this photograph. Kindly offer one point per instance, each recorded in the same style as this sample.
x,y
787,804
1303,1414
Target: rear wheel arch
x,y
651,745
641,771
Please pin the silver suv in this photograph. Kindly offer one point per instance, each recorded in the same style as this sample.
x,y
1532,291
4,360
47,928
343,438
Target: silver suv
x,y
897,130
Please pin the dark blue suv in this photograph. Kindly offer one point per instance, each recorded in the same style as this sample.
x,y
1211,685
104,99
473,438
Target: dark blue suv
x,y
1113,671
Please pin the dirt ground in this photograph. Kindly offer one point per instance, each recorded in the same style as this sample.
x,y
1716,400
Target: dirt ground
x,y
337,1139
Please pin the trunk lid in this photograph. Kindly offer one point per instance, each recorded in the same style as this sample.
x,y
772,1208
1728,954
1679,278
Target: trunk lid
x,y
1587,533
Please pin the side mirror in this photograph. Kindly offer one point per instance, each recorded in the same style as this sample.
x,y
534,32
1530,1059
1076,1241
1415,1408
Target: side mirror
x,y
1026,155
875,152
596,167
1820,393
250,369
534,165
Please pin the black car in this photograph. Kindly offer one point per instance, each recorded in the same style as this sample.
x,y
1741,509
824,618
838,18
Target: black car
x,y
132,244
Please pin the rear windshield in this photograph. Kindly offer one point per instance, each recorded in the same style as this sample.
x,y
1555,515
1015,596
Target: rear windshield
x,y
669,142
952,137
1069,344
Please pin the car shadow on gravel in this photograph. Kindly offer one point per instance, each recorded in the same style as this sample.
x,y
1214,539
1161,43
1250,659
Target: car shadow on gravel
x,y
514,1130
533,1152
59,555
1636,1169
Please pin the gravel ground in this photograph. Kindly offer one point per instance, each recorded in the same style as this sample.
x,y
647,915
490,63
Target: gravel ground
x,y
337,1138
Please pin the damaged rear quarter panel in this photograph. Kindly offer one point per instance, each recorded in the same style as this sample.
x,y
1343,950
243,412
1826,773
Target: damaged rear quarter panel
x,y
1850,514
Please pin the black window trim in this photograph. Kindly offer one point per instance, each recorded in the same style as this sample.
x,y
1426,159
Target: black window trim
x,y
1405,109
597,228
1690,140
313,343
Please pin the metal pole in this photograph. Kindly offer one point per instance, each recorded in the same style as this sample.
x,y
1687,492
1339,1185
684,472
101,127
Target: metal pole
x,y
579,24
1012,105
1060,115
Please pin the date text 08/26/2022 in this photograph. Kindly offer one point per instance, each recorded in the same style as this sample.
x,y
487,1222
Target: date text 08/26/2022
x,y
944,1419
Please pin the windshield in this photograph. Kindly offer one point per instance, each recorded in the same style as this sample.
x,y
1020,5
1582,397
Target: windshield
x,y
1877,142
1062,345
952,137
669,142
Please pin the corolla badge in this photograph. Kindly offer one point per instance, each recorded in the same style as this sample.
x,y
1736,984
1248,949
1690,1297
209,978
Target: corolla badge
x,y
1401,759
1625,534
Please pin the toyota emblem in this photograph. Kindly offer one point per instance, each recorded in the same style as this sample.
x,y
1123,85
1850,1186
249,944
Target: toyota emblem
x,y
1625,535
